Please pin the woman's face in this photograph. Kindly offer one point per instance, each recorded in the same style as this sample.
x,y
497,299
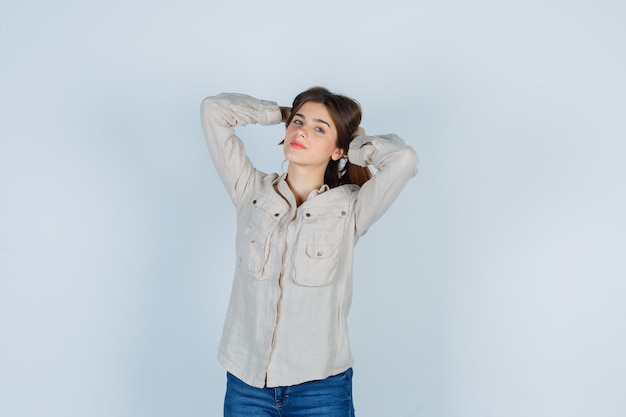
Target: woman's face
x,y
311,137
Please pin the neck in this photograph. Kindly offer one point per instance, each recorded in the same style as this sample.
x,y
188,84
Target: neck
x,y
302,180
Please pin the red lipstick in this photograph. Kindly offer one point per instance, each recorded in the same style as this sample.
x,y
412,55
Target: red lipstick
x,y
297,145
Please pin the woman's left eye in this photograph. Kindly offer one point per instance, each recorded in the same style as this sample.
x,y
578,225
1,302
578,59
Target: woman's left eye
x,y
319,129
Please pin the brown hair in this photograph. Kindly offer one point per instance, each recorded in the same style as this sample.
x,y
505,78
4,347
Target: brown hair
x,y
346,115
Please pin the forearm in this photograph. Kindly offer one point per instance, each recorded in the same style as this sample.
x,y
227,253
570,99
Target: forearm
x,y
380,150
395,163
230,109
220,114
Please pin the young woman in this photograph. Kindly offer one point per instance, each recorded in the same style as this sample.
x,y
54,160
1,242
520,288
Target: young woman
x,y
285,341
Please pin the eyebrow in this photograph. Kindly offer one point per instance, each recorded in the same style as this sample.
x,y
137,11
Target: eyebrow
x,y
315,120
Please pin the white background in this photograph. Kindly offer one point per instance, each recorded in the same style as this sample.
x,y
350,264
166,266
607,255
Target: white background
x,y
494,287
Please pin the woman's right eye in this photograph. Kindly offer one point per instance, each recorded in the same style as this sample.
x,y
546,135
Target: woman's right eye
x,y
297,122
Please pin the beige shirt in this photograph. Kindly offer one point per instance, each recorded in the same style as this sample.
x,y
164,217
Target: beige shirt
x,y
287,318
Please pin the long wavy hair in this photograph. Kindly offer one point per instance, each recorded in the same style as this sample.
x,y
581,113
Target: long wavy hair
x,y
346,115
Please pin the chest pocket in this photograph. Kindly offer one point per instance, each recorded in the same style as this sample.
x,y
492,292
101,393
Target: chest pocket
x,y
317,250
253,245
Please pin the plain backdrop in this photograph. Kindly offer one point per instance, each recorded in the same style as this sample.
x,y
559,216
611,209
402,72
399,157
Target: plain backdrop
x,y
494,287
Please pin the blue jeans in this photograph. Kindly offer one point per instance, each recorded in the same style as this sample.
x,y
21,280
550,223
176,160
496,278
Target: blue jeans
x,y
330,397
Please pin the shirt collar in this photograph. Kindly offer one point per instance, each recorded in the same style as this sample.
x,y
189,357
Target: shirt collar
x,y
281,183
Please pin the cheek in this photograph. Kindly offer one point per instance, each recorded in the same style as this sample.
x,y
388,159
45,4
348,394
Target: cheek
x,y
291,130
332,144
329,148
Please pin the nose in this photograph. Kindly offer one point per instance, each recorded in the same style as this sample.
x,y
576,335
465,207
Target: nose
x,y
301,132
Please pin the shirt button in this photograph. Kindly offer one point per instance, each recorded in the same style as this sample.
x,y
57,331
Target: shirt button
x,y
308,214
319,253
253,201
343,213
276,214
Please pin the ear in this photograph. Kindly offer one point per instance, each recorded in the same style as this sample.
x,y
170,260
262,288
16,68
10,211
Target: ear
x,y
337,154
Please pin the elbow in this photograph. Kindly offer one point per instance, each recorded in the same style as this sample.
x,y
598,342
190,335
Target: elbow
x,y
213,111
409,160
208,103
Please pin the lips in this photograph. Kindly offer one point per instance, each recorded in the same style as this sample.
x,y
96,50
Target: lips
x,y
297,145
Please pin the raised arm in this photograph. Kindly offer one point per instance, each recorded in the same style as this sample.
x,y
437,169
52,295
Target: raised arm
x,y
220,114
395,163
